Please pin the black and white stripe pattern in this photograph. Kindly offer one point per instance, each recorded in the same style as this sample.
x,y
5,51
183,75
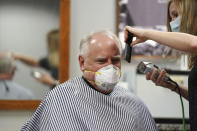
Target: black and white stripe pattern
x,y
74,106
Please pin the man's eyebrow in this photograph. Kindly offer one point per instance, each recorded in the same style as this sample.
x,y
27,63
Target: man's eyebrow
x,y
117,56
100,57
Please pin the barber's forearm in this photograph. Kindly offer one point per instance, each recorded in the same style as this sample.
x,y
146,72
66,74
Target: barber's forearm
x,y
184,92
27,59
179,41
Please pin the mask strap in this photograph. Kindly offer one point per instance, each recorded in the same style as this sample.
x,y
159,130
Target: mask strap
x,y
93,82
98,73
119,72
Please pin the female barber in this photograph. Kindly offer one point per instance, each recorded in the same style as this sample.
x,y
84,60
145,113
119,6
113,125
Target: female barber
x,y
187,42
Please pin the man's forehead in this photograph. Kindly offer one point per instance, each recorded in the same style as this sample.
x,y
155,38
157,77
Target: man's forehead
x,y
103,44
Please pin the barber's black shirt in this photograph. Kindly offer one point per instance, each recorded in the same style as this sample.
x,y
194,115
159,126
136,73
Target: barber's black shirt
x,y
192,82
44,62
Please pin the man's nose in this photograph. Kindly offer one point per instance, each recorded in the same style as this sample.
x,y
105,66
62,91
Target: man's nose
x,y
109,61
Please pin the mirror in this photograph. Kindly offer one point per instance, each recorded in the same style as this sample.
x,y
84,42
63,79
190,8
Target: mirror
x,y
48,12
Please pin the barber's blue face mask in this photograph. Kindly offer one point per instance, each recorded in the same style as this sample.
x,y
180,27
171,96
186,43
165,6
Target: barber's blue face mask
x,y
175,25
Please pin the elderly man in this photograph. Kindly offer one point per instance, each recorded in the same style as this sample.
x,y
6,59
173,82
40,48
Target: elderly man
x,y
8,88
93,101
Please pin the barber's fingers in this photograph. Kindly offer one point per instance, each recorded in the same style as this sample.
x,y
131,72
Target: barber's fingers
x,y
161,75
137,41
126,29
138,33
148,75
154,75
160,78
125,35
131,29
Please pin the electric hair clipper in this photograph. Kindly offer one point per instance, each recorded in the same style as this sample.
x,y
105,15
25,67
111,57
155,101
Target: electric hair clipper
x,y
128,48
144,67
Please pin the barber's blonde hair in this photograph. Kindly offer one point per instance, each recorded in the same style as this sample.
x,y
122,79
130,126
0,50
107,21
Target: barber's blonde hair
x,y
188,23
84,43
179,8
53,40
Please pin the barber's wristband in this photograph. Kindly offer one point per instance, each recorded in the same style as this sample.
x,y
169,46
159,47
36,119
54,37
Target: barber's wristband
x,y
56,83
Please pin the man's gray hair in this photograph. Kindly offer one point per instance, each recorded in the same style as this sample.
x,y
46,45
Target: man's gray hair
x,y
6,63
84,44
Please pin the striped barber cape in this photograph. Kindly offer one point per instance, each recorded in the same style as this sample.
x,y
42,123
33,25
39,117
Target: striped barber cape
x,y
75,106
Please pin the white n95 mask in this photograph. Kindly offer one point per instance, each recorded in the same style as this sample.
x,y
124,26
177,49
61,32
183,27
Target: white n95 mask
x,y
107,77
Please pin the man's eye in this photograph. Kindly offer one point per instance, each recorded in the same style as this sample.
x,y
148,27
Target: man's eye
x,y
101,61
116,60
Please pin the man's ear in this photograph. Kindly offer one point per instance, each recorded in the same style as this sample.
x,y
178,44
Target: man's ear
x,y
81,62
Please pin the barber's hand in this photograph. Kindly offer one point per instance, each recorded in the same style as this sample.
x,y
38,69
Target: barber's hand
x,y
4,54
15,56
138,33
46,79
159,80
